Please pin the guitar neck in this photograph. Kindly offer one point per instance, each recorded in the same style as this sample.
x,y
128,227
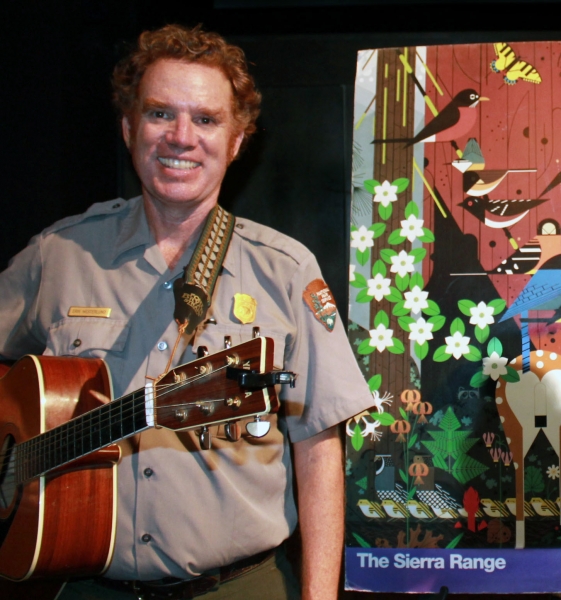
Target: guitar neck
x,y
83,435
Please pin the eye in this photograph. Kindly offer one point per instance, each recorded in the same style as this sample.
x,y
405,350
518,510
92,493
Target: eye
x,y
472,96
161,114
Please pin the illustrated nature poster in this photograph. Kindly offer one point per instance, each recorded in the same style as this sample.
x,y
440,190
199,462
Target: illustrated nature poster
x,y
455,311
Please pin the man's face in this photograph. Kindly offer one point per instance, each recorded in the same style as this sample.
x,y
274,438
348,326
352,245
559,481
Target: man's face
x,y
182,136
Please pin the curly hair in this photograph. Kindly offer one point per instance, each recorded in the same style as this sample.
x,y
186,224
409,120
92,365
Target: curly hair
x,y
177,42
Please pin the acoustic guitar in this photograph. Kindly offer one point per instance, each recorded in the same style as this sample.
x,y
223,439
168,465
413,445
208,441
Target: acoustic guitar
x,y
58,434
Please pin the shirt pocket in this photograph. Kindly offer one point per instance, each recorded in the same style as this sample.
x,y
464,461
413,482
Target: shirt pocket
x,y
87,337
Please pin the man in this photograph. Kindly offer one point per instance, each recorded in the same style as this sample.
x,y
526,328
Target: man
x,y
186,513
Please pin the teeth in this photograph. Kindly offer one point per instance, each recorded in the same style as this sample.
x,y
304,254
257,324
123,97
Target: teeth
x,y
175,163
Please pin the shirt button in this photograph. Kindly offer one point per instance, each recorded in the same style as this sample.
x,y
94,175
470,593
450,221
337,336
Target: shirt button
x,y
148,472
162,346
146,538
76,343
168,285
239,225
116,205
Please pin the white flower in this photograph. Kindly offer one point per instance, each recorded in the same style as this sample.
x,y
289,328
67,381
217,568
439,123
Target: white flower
x,y
352,269
416,300
411,228
402,263
362,239
421,331
494,366
385,193
381,337
553,472
481,315
378,287
457,345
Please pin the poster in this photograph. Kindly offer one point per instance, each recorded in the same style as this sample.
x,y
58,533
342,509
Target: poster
x,y
455,307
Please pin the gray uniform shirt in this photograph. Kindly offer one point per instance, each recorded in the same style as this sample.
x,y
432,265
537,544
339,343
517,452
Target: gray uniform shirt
x,y
200,509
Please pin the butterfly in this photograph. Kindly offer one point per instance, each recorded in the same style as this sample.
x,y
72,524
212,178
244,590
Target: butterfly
x,y
514,67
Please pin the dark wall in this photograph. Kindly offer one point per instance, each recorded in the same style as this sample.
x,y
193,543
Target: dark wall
x,y
61,145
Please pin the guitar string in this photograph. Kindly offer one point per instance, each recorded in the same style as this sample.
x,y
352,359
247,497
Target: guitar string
x,y
24,453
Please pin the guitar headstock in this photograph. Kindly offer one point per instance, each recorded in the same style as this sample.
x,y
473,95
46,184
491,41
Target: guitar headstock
x,y
200,393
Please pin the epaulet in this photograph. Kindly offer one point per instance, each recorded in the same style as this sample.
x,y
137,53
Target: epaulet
x,y
267,236
110,207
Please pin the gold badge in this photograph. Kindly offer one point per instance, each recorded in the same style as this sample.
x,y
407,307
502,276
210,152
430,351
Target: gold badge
x,y
245,308
89,311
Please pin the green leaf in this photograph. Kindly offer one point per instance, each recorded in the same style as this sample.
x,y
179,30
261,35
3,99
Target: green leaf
x,y
384,418
418,254
365,347
386,254
412,441
396,237
411,493
370,184
395,295
402,282
359,282
385,212
494,345
416,279
498,305
437,321
457,325
478,379
432,309
411,209
465,306
455,541
404,323
467,468
381,318
403,414
379,268
375,382
474,354
482,334
354,227
397,348
427,237
357,440
512,376
403,476
362,542
440,354
363,257
399,309
402,183
364,297
378,229
421,350
438,461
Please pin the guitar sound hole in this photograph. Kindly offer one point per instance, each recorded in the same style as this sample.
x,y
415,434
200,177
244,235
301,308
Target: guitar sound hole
x,y
7,473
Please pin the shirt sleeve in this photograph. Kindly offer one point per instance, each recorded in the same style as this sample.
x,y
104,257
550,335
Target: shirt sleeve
x,y
20,286
329,387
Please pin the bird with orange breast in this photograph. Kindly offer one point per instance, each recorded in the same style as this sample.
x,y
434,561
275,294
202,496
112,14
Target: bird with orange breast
x,y
454,121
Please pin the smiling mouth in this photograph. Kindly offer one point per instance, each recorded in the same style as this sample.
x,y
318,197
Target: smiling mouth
x,y
175,163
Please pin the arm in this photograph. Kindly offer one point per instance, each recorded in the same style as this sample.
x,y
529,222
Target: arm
x,y
318,464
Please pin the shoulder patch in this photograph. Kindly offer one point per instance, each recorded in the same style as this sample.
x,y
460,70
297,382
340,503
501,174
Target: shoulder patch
x,y
319,299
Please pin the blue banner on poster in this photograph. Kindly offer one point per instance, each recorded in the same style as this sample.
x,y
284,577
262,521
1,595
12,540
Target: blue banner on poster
x,y
461,571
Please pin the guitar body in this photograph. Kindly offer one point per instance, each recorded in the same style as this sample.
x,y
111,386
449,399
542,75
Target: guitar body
x,y
61,524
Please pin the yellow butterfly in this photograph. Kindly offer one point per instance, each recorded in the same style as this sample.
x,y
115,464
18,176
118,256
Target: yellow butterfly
x,y
514,67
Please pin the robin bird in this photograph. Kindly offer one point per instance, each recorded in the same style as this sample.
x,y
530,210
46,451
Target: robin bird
x,y
480,183
454,121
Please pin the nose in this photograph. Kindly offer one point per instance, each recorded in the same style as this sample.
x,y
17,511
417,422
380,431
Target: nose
x,y
182,133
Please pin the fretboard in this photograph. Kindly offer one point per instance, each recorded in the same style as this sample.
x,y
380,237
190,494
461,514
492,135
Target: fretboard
x,y
83,435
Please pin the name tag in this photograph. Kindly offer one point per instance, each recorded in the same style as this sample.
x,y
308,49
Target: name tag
x,y
89,311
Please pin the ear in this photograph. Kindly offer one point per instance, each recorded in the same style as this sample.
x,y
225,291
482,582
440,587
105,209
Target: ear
x,y
126,129
236,143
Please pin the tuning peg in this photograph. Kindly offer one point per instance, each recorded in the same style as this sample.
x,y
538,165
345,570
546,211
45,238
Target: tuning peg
x,y
258,428
202,351
233,431
227,342
256,332
205,438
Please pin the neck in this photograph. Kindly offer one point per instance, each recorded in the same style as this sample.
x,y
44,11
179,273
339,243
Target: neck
x,y
175,228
